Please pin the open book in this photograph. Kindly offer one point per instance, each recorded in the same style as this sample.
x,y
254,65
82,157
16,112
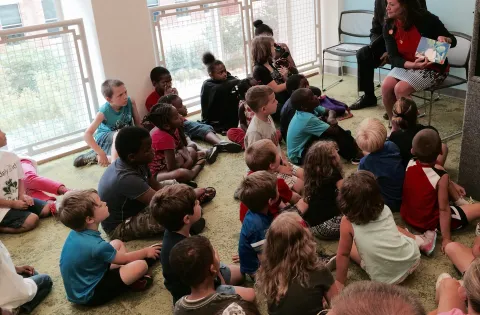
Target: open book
x,y
433,50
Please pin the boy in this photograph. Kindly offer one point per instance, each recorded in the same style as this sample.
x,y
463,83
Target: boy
x,y
197,264
263,156
94,271
18,212
426,191
258,192
127,186
383,159
21,288
306,128
119,111
261,100
176,208
162,82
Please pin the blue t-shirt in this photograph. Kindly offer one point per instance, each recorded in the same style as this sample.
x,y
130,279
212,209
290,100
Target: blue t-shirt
x,y
84,260
302,128
252,237
388,168
114,120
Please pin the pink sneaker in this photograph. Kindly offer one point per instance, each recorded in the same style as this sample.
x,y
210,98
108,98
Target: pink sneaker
x,y
429,239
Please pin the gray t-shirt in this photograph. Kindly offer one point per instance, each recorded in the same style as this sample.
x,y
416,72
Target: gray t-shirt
x,y
215,304
119,187
259,129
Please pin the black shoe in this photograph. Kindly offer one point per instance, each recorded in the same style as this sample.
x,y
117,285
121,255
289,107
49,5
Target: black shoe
x,y
229,147
212,155
197,227
385,116
86,159
364,101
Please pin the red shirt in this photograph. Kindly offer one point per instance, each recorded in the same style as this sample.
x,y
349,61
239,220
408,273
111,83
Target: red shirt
x,y
152,100
285,195
161,141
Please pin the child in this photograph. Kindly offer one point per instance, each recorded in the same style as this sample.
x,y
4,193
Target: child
x,y
261,100
263,156
119,111
219,103
369,236
21,288
462,256
162,82
176,208
197,130
405,127
197,265
291,275
94,271
323,179
258,192
18,212
383,159
374,298
427,188
306,128
173,159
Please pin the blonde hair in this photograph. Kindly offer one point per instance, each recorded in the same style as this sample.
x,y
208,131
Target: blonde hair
x,y
257,96
371,135
472,285
289,254
375,298
262,49
260,154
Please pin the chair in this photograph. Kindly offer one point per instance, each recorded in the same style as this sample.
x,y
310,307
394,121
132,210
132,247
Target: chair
x,y
458,57
355,23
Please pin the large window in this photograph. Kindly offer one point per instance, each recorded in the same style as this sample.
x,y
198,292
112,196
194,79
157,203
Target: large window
x,y
50,13
10,18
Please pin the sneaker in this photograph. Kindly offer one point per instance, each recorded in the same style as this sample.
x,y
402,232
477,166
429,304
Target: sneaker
x,y
211,155
477,229
440,278
429,239
329,261
197,227
364,101
355,161
229,147
142,284
86,159
53,208
461,202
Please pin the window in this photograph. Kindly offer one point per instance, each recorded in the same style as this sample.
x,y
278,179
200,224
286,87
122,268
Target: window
x,y
152,3
184,9
10,18
50,13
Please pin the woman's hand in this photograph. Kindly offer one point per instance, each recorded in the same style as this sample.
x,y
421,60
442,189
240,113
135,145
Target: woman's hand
x,y
421,63
444,39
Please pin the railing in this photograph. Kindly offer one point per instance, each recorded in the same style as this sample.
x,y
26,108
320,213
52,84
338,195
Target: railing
x,y
182,32
47,92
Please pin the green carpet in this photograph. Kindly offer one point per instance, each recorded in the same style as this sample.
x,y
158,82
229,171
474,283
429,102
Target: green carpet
x,y
41,247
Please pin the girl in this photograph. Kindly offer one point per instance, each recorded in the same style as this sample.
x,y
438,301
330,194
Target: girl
x,y
172,158
405,127
323,178
219,104
291,276
369,236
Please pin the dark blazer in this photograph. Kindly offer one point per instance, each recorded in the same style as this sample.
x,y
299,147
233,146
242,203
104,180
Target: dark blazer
x,y
429,25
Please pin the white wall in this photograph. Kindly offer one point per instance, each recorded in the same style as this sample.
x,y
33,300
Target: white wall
x,y
330,17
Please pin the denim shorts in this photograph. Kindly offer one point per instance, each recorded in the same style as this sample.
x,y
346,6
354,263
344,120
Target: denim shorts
x,y
15,218
196,130
227,276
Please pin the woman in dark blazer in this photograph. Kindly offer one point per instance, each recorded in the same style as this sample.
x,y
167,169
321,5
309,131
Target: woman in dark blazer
x,y
405,25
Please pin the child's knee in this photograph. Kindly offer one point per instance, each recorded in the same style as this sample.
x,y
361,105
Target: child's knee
x,y
117,244
31,222
452,248
183,175
140,267
248,294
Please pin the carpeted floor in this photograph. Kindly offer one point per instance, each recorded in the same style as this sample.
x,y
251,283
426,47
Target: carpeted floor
x,y
41,247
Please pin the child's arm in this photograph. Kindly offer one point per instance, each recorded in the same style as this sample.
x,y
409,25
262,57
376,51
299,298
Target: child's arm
x,y
171,160
88,137
147,252
476,247
136,117
343,251
331,293
277,88
242,118
295,198
444,208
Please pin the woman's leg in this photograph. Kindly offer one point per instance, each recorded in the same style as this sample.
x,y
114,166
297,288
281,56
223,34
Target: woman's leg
x,y
460,255
388,94
403,89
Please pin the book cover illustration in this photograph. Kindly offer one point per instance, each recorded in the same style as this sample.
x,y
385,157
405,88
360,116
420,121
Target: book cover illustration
x,y
433,50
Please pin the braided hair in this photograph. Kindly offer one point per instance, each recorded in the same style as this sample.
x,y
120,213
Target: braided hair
x,y
160,115
168,99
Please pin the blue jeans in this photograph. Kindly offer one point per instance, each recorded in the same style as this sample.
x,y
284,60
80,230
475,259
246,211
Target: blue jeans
x,y
44,286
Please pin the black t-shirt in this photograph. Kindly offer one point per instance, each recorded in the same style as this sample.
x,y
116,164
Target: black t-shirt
x,y
172,282
322,205
305,301
263,76
403,139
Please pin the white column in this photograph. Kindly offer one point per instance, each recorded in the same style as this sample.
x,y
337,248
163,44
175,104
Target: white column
x,y
330,17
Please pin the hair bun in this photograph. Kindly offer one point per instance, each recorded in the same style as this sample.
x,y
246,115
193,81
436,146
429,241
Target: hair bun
x,y
208,58
257,23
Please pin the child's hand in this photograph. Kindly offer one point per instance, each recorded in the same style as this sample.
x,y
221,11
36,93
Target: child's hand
x,y
460,190
25,270
27,199
19,204
152,252
103,159
236,259
171,90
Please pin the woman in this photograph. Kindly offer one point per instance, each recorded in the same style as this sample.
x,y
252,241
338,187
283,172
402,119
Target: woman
x,y
405,25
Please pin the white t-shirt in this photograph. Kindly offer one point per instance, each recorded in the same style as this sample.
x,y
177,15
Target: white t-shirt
x,y
14,289
11,172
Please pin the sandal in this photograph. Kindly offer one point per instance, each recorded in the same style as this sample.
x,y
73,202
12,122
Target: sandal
x,y
207,195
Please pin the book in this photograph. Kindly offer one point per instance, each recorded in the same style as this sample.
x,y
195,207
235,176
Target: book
x,y
433,50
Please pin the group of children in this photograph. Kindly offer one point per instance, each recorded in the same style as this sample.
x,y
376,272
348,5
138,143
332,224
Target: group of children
x,y
286,200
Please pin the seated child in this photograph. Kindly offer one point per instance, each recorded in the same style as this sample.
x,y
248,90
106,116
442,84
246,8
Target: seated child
x,y
21,288
127,186
374,298
173,159
263,156
94,271
261,100
219,103
197,130
323,179
162,82
177,209
291,275
427,190
306,128
258,191
370,237
462,256
383,159
197,265
119,111
405,127
18,212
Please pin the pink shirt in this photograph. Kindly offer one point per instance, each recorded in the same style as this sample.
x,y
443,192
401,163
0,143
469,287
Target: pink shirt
x,y
161,141
455,311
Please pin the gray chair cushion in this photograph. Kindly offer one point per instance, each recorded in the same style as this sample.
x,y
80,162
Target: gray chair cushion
x,y
344,49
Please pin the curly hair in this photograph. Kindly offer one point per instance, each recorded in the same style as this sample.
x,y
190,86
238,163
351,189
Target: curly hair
x,y
289,253
320,164
405,113
360,199
159,116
